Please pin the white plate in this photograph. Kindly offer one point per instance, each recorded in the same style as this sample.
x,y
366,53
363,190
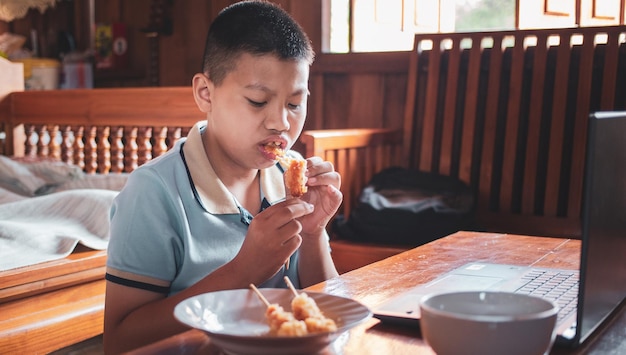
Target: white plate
x,y
235,320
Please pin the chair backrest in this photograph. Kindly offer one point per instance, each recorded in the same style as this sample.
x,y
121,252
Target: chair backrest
x,y
506,112
357,155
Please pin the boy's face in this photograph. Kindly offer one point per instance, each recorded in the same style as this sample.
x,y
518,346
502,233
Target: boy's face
x,y
263,100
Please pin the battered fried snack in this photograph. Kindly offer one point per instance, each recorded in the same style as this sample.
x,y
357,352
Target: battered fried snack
x,y
283,323
305,309
274,148
295,178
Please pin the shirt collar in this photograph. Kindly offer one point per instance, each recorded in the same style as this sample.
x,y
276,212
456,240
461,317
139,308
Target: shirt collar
x,y
213,194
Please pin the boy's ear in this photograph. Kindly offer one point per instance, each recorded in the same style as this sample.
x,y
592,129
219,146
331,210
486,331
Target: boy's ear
x,y
202,90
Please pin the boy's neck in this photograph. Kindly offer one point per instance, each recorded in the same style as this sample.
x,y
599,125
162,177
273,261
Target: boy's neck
x,y
247,195
244,185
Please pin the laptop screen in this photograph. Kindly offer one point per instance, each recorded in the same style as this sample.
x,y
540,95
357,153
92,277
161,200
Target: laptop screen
x,y
603,259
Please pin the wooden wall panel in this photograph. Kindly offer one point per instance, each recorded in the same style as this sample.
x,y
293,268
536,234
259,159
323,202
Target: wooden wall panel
x,y
136,16
315,113
356,100
367,106
394,100
337,97
348,90
358,90
181,53
308,14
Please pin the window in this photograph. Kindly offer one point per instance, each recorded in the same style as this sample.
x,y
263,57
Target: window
x,y
390,25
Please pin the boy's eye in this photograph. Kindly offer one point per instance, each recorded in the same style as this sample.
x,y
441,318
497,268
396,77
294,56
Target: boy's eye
x,y
256,103
294,106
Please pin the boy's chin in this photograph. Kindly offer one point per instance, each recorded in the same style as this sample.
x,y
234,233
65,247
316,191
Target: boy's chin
x,y
268,164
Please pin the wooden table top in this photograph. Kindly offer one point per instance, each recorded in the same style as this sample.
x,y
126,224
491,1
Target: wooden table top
x,y
377,282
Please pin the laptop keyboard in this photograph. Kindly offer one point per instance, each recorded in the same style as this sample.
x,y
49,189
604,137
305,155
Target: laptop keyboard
x,y
558,286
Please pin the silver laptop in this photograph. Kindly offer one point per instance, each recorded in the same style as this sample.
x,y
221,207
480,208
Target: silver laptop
x,y
587,296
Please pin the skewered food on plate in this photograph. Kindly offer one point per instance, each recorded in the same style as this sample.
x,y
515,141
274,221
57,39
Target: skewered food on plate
x,y
305,318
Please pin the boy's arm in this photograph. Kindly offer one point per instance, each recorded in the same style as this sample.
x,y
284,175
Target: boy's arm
x,y
136,317
315,263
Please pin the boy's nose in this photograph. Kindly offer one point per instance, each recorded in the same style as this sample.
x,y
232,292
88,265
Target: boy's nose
x,y
278,120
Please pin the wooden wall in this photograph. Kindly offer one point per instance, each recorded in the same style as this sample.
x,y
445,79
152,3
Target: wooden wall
x,y
347,90
358,90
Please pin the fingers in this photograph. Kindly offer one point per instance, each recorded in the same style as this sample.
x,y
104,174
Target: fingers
x,y
283,212
321,172
317,165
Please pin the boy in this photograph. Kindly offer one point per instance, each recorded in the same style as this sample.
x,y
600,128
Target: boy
x,y
211,213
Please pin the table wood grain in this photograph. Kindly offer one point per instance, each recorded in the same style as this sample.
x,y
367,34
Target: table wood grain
x,y
377,282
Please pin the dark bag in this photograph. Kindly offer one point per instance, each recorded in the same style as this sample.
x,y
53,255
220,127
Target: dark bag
x,y
408,207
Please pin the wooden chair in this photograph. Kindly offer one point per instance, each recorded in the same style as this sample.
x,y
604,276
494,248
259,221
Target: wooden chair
x,y
357,155
505,112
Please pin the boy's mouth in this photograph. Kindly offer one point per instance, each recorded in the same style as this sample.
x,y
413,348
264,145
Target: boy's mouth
x,y
275,148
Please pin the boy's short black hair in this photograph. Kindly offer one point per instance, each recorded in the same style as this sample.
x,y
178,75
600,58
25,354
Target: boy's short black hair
x,y
254,27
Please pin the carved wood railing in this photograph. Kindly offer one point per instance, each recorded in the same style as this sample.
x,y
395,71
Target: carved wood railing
x,y
100,130
100,149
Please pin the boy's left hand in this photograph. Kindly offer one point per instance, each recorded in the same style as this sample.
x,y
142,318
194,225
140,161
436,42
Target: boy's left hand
x,y
323,192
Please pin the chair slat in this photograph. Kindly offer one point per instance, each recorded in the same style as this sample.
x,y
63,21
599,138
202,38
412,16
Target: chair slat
x,y
489,124
559,110
430,108
449,108
579,148
511,134
468,138
534,126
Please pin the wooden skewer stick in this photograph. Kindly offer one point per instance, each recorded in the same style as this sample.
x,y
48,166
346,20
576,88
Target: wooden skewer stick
x,y
258,293
291,287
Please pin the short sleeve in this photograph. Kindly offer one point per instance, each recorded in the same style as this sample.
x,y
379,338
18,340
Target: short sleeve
x,y
145,245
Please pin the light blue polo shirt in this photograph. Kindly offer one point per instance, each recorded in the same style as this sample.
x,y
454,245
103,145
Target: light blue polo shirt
x,y
175,222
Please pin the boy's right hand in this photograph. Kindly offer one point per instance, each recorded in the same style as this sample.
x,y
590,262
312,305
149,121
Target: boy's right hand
x,y
273,235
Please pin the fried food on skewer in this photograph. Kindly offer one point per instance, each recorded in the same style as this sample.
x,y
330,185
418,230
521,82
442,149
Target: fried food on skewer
x,y
284,323
305,308
280,321
275,148
295,178
295,173
306,318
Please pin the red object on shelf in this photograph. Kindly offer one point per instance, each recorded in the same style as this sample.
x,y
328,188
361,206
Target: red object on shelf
x,y
120,46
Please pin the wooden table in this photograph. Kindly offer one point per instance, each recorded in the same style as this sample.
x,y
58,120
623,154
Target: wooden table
x,y
377,282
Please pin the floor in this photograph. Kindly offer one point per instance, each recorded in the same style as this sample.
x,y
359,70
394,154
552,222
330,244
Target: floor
x,y
91,346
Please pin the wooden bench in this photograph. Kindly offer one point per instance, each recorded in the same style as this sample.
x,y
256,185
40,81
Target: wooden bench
x,y
505,112
357,154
